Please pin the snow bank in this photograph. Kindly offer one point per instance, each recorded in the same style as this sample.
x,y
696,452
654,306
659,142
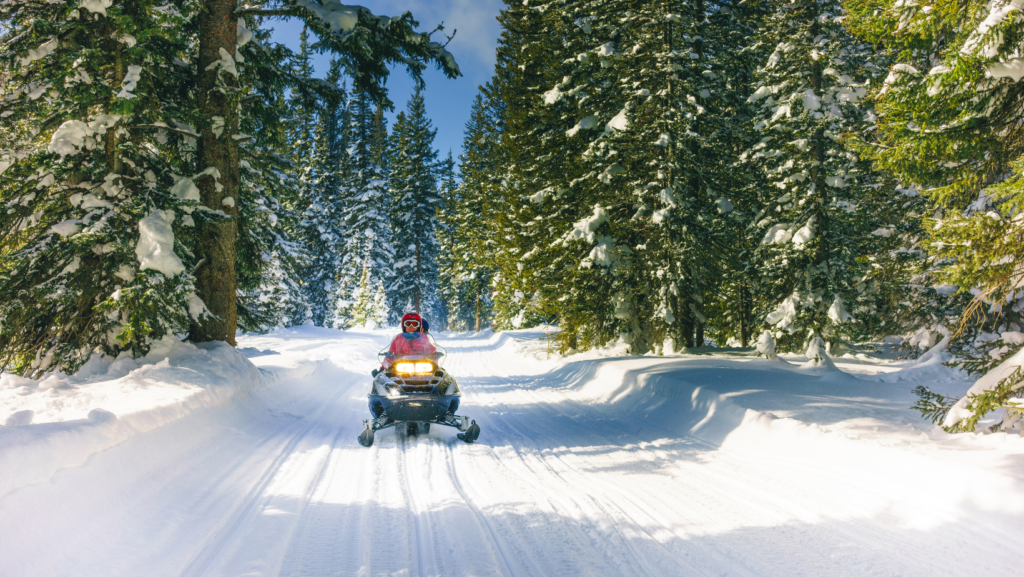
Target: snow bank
x,y
58,421
989,382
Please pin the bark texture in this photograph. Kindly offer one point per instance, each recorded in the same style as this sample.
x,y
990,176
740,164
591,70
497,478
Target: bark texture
x,y
215,247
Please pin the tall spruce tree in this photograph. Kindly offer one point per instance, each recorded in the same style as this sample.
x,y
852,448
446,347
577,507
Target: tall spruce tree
x,y
366,266
822,202
367,43
328,164
271,254
636,98
464,269
94,115
949,118
414,221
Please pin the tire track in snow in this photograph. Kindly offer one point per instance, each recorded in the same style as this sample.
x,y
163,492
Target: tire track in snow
x,y
206,557
592,506
421,521
495,540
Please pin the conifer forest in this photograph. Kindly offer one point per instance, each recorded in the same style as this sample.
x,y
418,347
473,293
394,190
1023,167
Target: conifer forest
x,y
812,176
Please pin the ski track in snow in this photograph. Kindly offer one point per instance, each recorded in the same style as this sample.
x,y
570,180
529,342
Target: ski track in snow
x,y
558,484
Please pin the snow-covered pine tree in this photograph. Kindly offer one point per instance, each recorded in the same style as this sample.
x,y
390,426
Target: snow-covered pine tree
x,y
366,267
331,166
302,144
93,117
327,166
414,223
368,44
530,46
271,253
637,101
950,121
818,212
732,302
466,228
448,240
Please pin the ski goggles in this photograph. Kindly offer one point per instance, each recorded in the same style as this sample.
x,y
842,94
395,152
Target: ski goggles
x,y
411,324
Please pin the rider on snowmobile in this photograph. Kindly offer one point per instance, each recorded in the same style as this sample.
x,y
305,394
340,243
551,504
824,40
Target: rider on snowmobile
x,y
411,342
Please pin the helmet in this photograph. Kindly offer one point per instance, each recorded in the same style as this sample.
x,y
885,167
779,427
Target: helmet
x,y
426,326
411,321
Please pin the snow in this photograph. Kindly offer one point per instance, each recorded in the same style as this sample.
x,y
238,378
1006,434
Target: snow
x,y
1014,70
766,345
784,315
586,123
155,249
759,94
811,100
185,189
598,463
65,228
780,112
196,307
226,63
243,34
778,234
39,53
73,136
339,17
988,382
804,234
837,312
619,122
69,138
96,6
998,12
131,79
108,401
586,228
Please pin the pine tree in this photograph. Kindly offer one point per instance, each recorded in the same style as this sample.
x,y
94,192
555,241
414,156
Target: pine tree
x,y
416,201
326,166
93,125
529,47
367,43
465,227
949,117
819,210
366,266
634,98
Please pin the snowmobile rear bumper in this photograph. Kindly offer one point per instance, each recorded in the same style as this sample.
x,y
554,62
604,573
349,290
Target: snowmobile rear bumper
x,y
429,408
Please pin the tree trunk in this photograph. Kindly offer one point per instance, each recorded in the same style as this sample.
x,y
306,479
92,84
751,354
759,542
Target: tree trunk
x,y
744,325
416,290
687,325
478,312
215,245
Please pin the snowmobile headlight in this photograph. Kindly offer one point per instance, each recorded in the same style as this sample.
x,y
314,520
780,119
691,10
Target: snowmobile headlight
x,y
414,368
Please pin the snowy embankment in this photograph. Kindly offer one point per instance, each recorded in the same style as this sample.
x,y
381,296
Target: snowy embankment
x,y
60,421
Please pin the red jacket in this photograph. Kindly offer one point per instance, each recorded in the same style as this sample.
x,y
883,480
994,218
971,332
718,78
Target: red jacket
x,y
402,346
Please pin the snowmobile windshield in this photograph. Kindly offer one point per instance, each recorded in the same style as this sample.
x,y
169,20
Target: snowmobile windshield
x,y
421,348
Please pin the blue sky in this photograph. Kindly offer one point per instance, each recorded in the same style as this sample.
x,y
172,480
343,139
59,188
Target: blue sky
x,y
448,101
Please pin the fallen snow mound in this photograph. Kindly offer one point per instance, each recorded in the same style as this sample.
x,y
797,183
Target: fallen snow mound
x,y
58,421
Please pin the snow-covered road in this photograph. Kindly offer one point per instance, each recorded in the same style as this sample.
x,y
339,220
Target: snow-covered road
x,y
691,465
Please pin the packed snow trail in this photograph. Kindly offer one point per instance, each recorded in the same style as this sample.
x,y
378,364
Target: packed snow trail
x,y
684,465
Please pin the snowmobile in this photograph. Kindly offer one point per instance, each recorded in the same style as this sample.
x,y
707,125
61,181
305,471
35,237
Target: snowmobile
x,y
414,392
